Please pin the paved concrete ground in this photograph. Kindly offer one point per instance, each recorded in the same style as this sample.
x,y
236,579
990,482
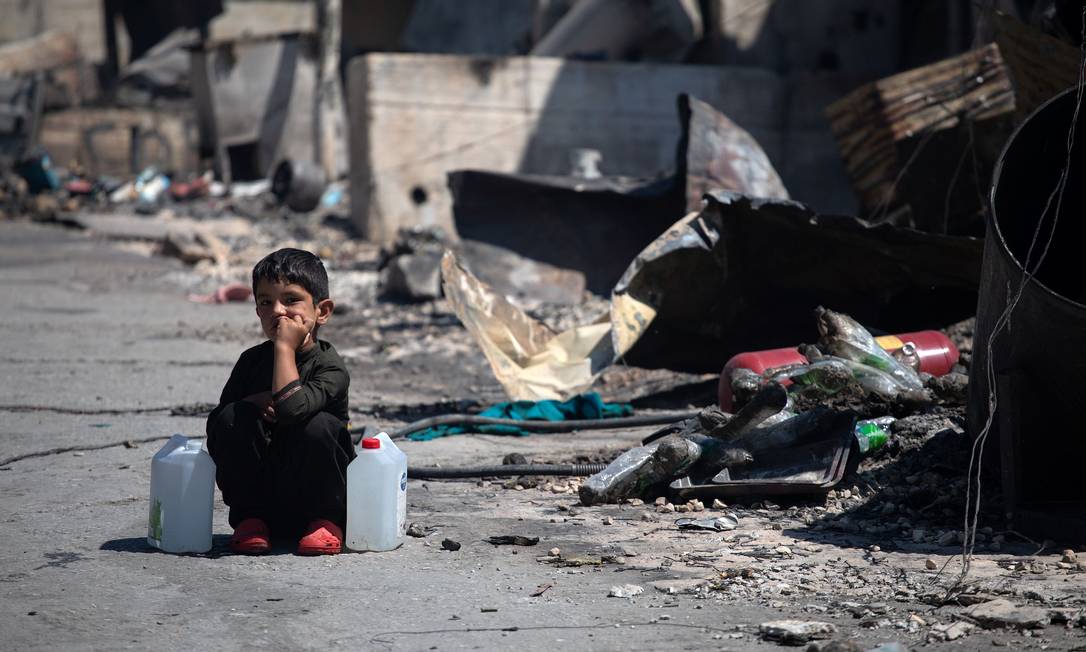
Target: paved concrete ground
x,y
101,348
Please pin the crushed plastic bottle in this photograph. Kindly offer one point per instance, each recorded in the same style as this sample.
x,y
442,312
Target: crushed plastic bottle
x,y
872,434
844,337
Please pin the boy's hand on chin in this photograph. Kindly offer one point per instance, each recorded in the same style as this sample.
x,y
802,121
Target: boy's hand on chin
x,y
293,331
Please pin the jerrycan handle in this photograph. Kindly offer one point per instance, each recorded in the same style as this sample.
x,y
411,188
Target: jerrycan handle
x,y
178,441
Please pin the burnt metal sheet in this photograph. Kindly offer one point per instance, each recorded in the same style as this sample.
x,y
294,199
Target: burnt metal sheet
x,y
717,154
810,468
1038,360
744,274
595,226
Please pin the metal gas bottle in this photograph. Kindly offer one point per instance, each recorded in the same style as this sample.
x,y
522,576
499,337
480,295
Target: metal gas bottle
x,y
936,354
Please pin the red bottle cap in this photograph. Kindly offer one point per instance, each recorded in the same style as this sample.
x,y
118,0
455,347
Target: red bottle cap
x,y
371,442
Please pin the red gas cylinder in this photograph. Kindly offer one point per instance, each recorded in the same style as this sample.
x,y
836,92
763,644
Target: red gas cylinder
x,y
937,354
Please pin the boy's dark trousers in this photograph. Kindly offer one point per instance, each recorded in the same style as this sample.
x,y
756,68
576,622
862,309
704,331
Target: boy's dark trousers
x,y
287,475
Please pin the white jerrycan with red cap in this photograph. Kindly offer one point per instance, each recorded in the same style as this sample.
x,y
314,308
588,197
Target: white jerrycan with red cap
x,y
376,496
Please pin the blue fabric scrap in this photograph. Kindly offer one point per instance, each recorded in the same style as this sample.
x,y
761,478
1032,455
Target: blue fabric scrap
x,y
584,406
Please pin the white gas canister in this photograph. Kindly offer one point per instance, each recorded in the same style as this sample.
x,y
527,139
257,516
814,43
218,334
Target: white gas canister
x,y
376,496
182,497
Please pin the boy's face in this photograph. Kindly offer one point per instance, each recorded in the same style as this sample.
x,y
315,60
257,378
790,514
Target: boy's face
x,y
277,300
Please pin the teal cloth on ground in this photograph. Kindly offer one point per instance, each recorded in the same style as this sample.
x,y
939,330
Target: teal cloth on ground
x,y
584,406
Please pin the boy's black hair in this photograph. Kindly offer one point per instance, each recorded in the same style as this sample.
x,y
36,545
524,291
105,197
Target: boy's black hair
x,y
294,266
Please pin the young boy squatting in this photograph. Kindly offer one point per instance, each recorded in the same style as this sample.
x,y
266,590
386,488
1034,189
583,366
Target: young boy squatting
x,y
279,434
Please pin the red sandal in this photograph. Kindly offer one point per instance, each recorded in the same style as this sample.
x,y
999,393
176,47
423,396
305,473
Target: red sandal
x,y
322,537
251,537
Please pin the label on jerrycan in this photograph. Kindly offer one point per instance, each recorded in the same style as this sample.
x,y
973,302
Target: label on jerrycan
x,y
401,505
154,524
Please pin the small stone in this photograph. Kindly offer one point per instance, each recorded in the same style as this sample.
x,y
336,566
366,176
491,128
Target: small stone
x,y
930,564
648,517
1069,557
634,502
696,505
795,632
683,508
607,520
660,501
783,550
846,494
416,530
666,508
449,544
625,591
719,504
875,549
555,552
559,488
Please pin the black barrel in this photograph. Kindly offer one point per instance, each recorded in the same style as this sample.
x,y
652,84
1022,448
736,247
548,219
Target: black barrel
x,y
298,184
1039,359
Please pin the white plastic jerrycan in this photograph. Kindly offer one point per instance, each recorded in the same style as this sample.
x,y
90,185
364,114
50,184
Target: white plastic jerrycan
x,y
182,497
377,496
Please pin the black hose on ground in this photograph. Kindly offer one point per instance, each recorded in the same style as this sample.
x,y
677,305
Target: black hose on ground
x,y
538,426
441,473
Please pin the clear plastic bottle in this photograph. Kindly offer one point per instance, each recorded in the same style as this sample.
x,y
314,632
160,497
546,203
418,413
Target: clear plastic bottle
x,y
376,496
182,497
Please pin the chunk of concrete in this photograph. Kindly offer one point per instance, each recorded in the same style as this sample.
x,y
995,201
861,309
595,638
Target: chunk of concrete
x,y
1004,613
795,632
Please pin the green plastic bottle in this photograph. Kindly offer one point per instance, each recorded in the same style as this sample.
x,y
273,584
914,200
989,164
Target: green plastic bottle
x,y
872,434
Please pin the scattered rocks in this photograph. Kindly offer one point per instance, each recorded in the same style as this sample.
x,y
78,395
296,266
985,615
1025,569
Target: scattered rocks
x,y
625,591
841,645
413,277
951,631
1004,613
674,587
795,632
947,538
193,246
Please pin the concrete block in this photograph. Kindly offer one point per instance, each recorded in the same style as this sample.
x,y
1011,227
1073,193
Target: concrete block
x,y
416,117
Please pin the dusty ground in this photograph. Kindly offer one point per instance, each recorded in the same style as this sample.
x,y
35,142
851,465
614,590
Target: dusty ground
x,y
103,347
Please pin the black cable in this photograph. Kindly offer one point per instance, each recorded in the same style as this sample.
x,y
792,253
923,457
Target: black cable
x,y
441,473
537,426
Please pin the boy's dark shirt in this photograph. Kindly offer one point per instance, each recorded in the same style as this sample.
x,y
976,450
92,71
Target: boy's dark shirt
x,y
322,374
